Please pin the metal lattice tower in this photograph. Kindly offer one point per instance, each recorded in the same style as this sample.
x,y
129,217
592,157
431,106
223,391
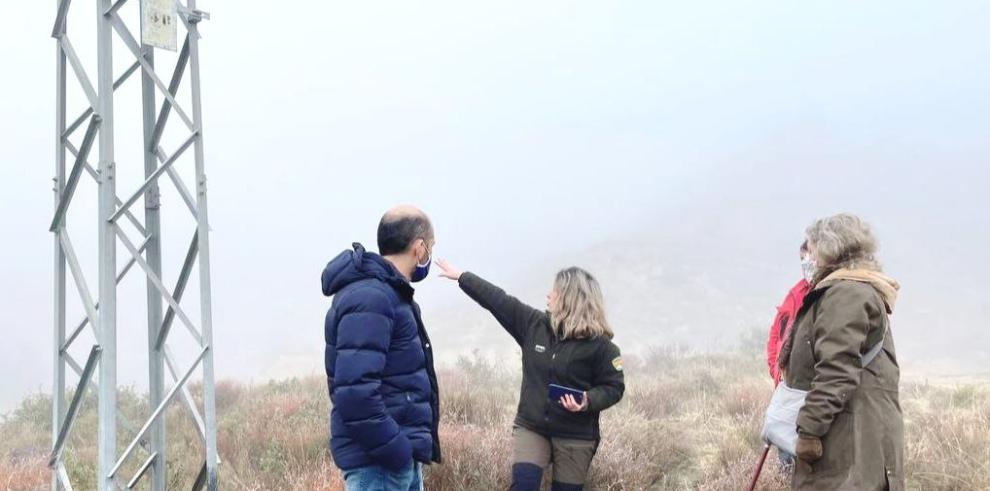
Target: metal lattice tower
x,y
98,373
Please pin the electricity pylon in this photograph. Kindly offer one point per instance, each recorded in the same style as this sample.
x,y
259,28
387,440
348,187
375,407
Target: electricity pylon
x,y
117,223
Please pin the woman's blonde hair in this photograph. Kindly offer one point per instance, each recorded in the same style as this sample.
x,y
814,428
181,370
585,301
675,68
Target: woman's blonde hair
x,y
842,241
580,308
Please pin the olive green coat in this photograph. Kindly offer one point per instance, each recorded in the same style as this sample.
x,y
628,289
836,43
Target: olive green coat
x,y
854,410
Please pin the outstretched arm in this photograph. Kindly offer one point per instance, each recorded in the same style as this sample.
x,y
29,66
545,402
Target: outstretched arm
x,y
515,316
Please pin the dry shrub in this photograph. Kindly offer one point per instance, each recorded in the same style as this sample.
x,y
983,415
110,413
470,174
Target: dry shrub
x,y
747,398
638,453
688,421
468,401
25,473
659,400
228,394
737,474
948,444
475,458
276,437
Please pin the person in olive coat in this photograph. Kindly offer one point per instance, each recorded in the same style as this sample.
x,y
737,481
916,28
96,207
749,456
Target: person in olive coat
x,y
850,430
568,345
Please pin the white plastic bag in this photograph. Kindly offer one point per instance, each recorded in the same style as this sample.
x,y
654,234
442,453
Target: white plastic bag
x,y
780,425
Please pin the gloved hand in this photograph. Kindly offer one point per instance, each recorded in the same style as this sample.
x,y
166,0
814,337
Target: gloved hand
x,y
809,448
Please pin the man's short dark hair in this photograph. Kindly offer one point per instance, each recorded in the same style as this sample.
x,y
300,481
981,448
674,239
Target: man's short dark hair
x,y
396,234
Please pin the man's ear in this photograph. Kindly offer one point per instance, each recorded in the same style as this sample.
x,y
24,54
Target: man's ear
x,y
419,245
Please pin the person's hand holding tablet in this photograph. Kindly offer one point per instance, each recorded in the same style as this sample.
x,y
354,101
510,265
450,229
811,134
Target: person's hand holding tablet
x,y
573,400
571,404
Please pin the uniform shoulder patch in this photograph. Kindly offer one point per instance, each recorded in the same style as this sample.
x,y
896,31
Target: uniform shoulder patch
x,y
617,363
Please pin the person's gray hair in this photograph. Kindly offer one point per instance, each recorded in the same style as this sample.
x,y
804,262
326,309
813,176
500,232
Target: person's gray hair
x,y
842,241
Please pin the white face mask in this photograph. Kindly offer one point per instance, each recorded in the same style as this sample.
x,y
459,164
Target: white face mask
x,y
809,268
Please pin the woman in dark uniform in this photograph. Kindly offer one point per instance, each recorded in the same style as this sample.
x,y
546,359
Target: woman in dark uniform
x,y
568,345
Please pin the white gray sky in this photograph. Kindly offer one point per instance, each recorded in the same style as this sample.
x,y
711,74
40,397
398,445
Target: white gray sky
x,y
633,135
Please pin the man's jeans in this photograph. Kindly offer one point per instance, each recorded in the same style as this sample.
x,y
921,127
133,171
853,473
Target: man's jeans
x,y
377,478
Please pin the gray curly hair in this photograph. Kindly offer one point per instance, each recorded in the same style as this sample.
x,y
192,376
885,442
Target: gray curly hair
x,y
842,241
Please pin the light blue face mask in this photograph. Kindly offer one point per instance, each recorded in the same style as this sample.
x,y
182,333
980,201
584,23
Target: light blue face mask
x,y
422,270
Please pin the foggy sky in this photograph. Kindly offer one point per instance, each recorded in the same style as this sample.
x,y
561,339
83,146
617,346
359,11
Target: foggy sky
x,y
638,136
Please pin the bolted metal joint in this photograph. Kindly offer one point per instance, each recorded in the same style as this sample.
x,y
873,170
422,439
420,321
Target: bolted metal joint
x,y
194,16
152,199
111,170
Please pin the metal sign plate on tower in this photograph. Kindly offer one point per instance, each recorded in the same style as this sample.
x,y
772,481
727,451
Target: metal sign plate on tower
x,y
158,24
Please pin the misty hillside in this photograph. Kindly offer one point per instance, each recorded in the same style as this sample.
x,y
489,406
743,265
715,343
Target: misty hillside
x,y
664,292
670,302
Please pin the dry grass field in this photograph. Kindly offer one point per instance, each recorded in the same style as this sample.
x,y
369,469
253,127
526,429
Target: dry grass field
x,y
688,421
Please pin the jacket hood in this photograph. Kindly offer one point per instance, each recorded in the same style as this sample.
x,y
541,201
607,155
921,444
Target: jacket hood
x,y
354,265
886,286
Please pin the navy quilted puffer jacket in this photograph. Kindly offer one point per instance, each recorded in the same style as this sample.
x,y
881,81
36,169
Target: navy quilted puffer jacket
x,y
379,366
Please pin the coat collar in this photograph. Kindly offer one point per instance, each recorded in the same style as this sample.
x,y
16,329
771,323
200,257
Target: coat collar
x,y
886,286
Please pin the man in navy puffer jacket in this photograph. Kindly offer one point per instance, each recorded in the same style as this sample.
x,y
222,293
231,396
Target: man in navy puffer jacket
x,y
379,361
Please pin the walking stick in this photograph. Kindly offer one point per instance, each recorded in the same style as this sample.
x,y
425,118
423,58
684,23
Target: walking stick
x,y
759,467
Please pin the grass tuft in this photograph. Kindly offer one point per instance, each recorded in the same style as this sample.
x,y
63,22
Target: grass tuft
x,y
688,421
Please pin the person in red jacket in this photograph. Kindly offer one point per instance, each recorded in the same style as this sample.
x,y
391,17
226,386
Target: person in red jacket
x,y
786,313
781,329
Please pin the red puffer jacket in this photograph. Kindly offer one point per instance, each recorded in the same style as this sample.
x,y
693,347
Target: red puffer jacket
x,y
781,327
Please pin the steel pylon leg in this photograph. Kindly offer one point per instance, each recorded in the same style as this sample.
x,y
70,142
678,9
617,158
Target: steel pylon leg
x,y
203,229
153,253
58,384
107,441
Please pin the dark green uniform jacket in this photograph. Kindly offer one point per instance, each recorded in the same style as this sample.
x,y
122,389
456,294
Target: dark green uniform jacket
x,y
593,365
854,410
